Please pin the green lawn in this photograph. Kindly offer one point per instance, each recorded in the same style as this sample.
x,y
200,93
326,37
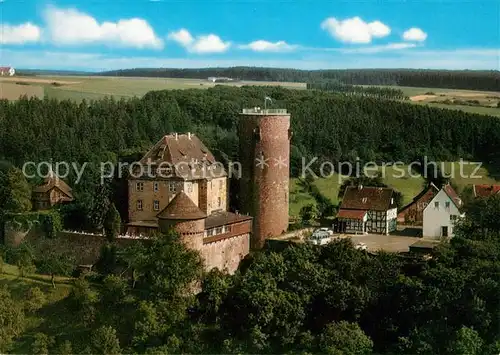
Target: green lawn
x,y
399,178
51,319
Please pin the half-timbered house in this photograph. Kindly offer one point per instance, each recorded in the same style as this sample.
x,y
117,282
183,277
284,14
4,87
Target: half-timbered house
x,y
367,210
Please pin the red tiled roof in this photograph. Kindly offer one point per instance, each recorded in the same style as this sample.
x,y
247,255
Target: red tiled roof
x,y
186,154
351,214
367,198
430,187
181,208
453,195
486,190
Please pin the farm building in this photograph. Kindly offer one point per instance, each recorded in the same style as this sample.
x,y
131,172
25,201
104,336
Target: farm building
x,y
486,190
7,71
51,192
441,213
413,213
367,210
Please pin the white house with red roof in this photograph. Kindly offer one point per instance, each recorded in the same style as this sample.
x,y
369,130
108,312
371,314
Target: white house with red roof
x,y
7,71
441,213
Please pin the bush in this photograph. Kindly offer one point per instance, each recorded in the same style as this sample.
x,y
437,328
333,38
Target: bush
x,y
64,348
41,344
35,299
51,223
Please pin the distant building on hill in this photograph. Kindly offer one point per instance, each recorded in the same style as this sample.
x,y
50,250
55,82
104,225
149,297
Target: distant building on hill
x,y
216,79
7,71
51,192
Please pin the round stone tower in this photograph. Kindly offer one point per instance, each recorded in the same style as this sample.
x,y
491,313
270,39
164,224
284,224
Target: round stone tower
x,y
185,218
264,136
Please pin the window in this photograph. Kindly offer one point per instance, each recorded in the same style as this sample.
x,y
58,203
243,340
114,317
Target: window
x,y
453,217
219,201
156,205
436,204
139,186
189,187
139,205
171,187
156,187
221,184
364,199
218,230
447,204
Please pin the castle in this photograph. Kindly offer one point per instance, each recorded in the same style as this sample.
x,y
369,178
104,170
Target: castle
x,y
179,185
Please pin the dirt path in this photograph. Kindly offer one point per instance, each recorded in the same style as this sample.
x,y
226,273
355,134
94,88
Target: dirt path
x,y
15,79
422,97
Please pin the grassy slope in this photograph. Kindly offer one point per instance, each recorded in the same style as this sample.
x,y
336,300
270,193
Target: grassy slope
x,y
409,186
52,319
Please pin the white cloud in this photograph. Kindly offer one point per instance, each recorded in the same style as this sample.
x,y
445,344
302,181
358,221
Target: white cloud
x,y
69,26
355,30
266,46
210,43
20,34
414,34
183,37
379,49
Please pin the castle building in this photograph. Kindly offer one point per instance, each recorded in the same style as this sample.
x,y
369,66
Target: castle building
x,y
264,136
179,185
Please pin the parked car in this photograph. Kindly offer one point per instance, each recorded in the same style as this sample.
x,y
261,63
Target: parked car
x,y
321,237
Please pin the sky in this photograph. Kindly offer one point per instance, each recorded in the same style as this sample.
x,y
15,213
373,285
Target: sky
x,y
98,35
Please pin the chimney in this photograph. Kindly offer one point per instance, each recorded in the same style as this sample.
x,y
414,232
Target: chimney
x,y
189,135
360,187
176,136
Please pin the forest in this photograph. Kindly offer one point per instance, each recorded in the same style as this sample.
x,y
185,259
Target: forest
x,y
347,89
487,80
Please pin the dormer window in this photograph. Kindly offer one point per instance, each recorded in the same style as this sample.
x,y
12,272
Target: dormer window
x,y
447,204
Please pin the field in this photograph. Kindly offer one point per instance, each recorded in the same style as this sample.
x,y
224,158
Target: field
x,y
407,183
95,87
12,90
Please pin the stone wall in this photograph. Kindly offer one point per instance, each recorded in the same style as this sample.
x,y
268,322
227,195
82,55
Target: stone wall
x,y
226,254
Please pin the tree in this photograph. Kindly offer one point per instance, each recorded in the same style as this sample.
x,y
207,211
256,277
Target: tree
x,y
41,344
11,319
345,338
55,263
112,223
15,192
104,341
467,342
83,300
308,213
35,299
23,257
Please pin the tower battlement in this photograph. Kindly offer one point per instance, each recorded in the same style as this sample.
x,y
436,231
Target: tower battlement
x,y
265,112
